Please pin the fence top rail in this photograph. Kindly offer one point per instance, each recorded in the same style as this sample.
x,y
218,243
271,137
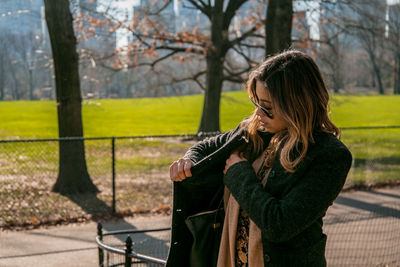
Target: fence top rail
x,y
80,138
370,127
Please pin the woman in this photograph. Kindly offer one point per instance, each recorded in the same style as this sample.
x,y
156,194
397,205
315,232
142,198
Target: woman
x,y
279,181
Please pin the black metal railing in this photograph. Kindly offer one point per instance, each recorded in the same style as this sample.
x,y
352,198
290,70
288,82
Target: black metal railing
x,y
126,244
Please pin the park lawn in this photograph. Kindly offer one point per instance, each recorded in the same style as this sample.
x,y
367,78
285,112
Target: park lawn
x,y
174,115
29,170
365,110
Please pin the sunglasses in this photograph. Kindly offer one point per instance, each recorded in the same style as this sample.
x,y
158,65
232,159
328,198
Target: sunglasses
x,y
264,110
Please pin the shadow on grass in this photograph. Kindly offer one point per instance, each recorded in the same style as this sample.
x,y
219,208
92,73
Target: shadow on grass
x,y
91,204
360,162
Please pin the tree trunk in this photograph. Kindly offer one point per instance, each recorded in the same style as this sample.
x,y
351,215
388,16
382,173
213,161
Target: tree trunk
x,y
214,76
1,90
337,68
15,92
212,96
278,26
73,176
2,76
337,80
377,72
30,72
378,79
396,88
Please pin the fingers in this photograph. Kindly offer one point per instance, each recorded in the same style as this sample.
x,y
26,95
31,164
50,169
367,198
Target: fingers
x,y
180,169
180,173
173,170
186,168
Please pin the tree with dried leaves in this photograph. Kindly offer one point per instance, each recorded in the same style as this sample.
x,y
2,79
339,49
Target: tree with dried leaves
x,y
212,45
230,45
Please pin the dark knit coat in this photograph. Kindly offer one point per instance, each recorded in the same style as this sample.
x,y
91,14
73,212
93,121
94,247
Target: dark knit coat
x,y
288,210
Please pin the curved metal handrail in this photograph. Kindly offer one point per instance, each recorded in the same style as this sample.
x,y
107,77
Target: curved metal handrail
x,y
136,231
132,255
138,256
108,248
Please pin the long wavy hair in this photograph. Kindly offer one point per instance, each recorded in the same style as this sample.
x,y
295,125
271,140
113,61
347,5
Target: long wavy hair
x,y
298,93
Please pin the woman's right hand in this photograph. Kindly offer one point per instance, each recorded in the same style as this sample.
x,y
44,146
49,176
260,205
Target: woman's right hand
x,y
180,169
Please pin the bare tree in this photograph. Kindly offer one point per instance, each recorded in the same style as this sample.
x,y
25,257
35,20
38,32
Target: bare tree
x,y
3,66
73,176
394,43
332,45
369,28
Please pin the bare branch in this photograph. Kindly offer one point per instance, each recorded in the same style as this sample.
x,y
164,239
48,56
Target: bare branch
x,y
194,78
203,7
256,46
181,49
244,55
247,34
236,76
159,10
153,64
230,11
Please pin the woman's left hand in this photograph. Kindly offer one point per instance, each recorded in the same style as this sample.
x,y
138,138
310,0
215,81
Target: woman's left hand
x,y
235,157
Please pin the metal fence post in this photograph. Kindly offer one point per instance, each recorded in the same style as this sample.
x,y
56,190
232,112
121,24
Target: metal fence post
x,y
128,252
101,252
113,173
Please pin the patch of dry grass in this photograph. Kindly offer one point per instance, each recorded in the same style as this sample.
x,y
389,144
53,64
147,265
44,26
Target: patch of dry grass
x,y
142,182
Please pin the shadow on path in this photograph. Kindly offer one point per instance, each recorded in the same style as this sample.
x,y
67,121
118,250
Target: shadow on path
x,y
72,240
375,208
385,194
142,243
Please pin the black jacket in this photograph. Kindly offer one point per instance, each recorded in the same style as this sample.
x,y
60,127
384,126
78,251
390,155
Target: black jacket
x,y
288,210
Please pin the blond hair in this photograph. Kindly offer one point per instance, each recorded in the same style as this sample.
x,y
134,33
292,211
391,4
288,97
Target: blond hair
x,y
299,94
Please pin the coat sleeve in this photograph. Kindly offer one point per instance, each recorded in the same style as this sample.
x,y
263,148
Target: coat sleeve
x,y
209,145
281,219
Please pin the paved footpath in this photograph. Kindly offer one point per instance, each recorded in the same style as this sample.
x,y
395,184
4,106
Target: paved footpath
x,y
359,222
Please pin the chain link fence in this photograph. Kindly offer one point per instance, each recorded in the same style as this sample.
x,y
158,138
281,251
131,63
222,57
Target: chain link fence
x,y
130,172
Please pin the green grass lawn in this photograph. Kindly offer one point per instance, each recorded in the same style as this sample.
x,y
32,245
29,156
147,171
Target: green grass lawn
x,y
174,115
28,170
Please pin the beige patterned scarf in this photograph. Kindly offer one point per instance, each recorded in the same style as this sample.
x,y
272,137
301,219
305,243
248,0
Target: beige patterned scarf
x,y
226,256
